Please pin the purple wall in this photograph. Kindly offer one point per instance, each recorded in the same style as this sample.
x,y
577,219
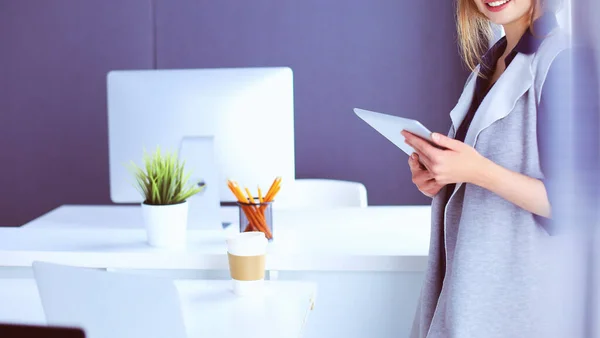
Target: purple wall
x,y
382,55
54,56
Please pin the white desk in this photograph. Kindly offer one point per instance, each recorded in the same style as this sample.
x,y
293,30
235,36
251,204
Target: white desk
x,y
103,216
368,263
209,308
346,239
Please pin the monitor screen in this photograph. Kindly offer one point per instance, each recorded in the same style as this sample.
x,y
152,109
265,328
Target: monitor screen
x,y
249,112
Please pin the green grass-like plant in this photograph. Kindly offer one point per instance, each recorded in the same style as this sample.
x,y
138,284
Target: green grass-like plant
x,y
163,181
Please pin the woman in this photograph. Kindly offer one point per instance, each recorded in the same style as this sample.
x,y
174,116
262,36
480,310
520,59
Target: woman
x,y
490,207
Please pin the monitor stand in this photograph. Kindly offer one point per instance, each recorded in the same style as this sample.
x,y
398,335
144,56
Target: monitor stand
x,y
198,152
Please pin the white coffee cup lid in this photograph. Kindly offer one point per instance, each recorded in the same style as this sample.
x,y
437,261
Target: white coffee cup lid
x,y
252,243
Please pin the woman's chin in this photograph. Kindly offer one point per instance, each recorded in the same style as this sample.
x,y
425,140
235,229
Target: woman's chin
x,y
506,17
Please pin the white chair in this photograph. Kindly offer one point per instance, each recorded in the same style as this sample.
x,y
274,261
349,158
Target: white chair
x,y
320,194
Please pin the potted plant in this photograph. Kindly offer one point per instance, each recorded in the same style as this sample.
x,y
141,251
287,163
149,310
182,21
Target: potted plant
x,y
165,188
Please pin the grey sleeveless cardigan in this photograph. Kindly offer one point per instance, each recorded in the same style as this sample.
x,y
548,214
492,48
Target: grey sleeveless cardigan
x,y
488,284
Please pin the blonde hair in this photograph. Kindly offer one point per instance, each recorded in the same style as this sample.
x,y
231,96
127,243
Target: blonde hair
x,y
475,30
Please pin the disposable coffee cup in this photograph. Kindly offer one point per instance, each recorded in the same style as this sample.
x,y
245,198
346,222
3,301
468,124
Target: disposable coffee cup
x,y
246,253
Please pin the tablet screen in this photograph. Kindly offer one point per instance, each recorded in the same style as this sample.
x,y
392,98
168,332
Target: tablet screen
x,y
391,127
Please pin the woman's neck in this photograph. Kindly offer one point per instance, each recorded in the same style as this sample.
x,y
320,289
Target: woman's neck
x,y
514,31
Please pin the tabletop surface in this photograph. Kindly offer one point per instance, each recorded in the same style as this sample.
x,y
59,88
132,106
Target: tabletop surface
x,y
210,309
115,216
378,238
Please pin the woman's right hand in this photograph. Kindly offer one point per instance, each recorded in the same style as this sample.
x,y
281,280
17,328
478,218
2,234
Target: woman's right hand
x,y
422,178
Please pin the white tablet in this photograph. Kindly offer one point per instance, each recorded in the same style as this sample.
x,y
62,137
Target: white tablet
x,y
390,126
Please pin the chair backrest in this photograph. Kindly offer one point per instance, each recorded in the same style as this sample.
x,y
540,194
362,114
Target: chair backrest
x,y
321,193
107,304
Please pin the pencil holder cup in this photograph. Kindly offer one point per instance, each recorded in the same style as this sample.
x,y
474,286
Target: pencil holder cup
x,y
257,217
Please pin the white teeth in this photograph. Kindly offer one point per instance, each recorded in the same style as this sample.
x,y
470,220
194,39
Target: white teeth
x,y
497,3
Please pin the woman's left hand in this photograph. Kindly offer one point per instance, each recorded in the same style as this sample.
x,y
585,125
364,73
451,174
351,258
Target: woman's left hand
x,y
457,162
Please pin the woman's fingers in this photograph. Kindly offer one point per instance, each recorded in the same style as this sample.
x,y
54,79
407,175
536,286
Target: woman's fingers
x,y
432,185
422,177
415,163
417,169
421,146
430,188
425,162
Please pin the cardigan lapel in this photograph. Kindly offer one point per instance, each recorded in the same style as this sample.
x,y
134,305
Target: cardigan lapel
x,y
458,113
502,97
499,101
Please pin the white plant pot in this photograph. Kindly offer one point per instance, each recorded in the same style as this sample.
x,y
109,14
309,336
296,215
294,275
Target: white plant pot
x,y
166,225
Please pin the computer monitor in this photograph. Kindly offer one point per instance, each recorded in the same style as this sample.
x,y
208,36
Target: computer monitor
x,y
249,113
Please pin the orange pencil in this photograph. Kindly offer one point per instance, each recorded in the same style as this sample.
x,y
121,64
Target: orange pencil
x,y
242,199
256,220
240,193
236,191
273,188
271,193
233,190
275,182
250,198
